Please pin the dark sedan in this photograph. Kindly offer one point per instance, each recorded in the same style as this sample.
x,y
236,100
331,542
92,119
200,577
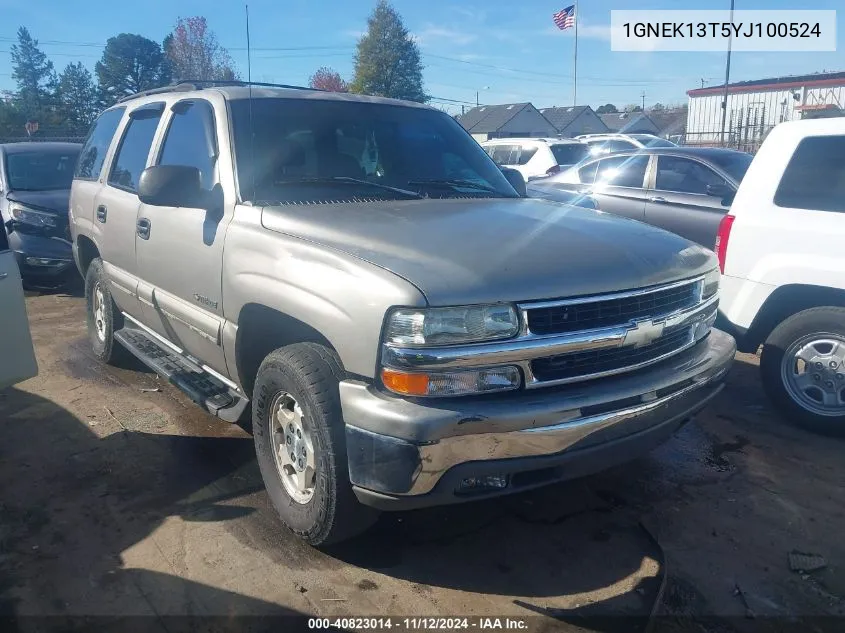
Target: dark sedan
x,y
35,181
685,190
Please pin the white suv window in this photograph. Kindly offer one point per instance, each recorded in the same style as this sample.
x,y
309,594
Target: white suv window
x,y
815,176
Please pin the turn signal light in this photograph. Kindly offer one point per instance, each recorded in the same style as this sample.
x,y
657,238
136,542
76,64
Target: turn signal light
x,y
452,383
408,384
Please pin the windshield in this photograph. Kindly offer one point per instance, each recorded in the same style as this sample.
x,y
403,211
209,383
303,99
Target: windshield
x,y
40,169
338,151
735,164
570,153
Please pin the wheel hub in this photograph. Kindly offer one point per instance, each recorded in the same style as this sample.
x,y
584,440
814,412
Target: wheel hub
x,y
99,311
813,372
293,448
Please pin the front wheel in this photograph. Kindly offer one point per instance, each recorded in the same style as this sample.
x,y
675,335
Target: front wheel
x,y
803,368
300,443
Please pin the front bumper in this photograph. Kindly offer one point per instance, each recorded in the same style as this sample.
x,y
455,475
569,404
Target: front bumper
x,y
409,453
43,261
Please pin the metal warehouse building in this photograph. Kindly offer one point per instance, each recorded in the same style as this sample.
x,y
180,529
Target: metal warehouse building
x,y
755,107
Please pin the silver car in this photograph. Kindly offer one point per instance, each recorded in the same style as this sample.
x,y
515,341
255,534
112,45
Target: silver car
x,y
357,278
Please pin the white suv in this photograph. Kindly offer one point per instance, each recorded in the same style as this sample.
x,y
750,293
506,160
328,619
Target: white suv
x,y
608,143
783,262
536,157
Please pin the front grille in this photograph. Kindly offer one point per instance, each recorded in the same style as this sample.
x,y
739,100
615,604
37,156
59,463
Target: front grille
x,y
612,311
581,364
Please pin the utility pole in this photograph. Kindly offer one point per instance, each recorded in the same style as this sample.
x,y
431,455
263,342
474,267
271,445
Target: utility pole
x,y
727,80
703,81
643,96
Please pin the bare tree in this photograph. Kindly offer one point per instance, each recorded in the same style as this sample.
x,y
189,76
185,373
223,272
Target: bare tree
x,y
194,53
328,79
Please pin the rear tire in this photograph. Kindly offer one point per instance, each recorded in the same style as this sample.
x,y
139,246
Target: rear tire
x,y
102,315
296,390
803,369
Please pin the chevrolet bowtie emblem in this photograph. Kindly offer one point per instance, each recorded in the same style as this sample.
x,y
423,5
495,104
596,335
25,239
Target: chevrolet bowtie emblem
x,y
643,333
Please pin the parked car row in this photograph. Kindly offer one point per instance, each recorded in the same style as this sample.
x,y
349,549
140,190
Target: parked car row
x,y
539,157
683,190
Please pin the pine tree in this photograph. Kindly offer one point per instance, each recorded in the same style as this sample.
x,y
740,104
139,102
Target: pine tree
x,y
130,63
78,97
34,74
387,62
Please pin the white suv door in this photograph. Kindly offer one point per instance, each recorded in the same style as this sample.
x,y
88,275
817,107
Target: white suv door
x,y
17,358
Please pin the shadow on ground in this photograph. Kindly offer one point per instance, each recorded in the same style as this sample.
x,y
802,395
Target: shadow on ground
x,y
72,503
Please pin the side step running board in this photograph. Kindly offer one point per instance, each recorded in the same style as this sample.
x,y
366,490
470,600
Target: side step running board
x,y
200,386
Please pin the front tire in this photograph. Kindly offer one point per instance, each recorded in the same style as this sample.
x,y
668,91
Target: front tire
x,y
803,368
301,446
103,317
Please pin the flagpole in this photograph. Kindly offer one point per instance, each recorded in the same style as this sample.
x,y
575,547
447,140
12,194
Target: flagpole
x,y
575,74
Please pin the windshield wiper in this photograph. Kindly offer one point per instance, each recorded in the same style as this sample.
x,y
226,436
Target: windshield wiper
x,y
346,180
454,183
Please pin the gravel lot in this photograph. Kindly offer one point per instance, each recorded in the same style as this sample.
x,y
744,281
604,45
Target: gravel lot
x,y
120,498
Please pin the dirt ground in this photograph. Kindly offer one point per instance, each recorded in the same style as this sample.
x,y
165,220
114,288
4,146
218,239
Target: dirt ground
x,y
120,498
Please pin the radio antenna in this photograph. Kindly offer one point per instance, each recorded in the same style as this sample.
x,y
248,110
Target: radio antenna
x,y
249,88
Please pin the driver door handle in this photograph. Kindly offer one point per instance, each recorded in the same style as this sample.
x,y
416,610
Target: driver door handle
x,y
3,276
143,228
658,200
101,214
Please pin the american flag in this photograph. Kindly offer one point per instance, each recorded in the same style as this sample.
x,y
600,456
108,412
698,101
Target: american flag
x,y
565,18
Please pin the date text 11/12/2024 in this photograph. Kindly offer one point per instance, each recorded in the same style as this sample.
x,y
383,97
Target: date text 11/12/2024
x,y
419,623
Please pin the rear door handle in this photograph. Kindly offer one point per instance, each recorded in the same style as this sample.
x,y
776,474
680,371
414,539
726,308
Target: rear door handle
x,y
143,228
658,200
3,276
101,213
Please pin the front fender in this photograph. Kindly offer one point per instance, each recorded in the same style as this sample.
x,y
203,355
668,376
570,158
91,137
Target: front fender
x,y
345,299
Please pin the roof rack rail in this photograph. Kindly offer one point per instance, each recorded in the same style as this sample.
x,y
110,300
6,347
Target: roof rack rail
x,y
198,84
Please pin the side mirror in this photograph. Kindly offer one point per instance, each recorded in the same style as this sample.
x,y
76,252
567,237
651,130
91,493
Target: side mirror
x,y
516,180
171,186
719,191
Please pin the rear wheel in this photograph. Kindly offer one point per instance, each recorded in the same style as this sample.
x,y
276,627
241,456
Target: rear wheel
x,y
803,368
103,317
301,445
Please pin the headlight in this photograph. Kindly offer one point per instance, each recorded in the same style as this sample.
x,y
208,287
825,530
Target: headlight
x,y
25,215
447,326
711,284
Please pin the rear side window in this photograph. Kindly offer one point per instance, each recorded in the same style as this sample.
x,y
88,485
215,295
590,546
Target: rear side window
x,y
506,154
682,175
569,153
587,174
94,150
623,171
135,147
526,154
815,176
191,141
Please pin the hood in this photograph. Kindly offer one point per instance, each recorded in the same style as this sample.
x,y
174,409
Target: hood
x,y
466,251
57,200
